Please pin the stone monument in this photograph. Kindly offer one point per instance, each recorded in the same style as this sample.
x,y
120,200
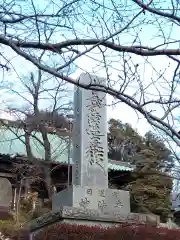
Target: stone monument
x,y
5,193
5,199
89,200
90,170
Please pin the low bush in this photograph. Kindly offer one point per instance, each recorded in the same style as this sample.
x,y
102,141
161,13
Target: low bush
x,y
125,232
78,232
13,231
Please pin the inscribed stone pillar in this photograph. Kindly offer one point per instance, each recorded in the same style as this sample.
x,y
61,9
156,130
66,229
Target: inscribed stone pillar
x,y
90,169
90,135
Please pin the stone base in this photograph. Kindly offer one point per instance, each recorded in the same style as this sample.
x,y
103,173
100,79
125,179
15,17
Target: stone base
x,y
90,217
94,198
5,213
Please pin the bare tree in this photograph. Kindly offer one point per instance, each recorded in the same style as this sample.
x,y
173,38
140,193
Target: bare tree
x,y
121,39
44,101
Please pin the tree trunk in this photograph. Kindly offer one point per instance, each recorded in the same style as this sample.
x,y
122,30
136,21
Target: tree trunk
x,y
47,170
48,180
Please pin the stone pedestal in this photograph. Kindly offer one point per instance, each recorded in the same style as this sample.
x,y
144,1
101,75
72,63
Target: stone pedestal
x,y
5,213
90,217
93,198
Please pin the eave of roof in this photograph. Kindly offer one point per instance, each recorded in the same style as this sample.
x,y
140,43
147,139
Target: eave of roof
x,y
120,166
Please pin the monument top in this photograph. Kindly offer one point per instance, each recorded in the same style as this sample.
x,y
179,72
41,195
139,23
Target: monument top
x,y
90,135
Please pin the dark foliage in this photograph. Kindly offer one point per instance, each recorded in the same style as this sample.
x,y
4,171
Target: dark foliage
x,y
149,184
51,119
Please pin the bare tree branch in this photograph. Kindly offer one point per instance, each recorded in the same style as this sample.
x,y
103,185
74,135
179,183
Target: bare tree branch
x,y
134,45
157,12
57,48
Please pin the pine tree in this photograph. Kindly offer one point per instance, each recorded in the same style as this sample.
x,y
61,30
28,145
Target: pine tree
x,y
150,186
123,141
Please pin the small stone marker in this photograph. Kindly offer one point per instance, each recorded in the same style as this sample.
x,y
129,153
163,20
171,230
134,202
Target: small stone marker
x,y
5,193
90,170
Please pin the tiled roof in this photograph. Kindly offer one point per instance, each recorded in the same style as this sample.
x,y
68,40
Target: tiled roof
x,y
12,142
119,167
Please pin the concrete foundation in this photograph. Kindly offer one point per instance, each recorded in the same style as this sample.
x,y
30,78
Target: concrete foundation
x,y
71,215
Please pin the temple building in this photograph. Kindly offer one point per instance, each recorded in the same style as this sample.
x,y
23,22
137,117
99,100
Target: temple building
x,y
23,154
